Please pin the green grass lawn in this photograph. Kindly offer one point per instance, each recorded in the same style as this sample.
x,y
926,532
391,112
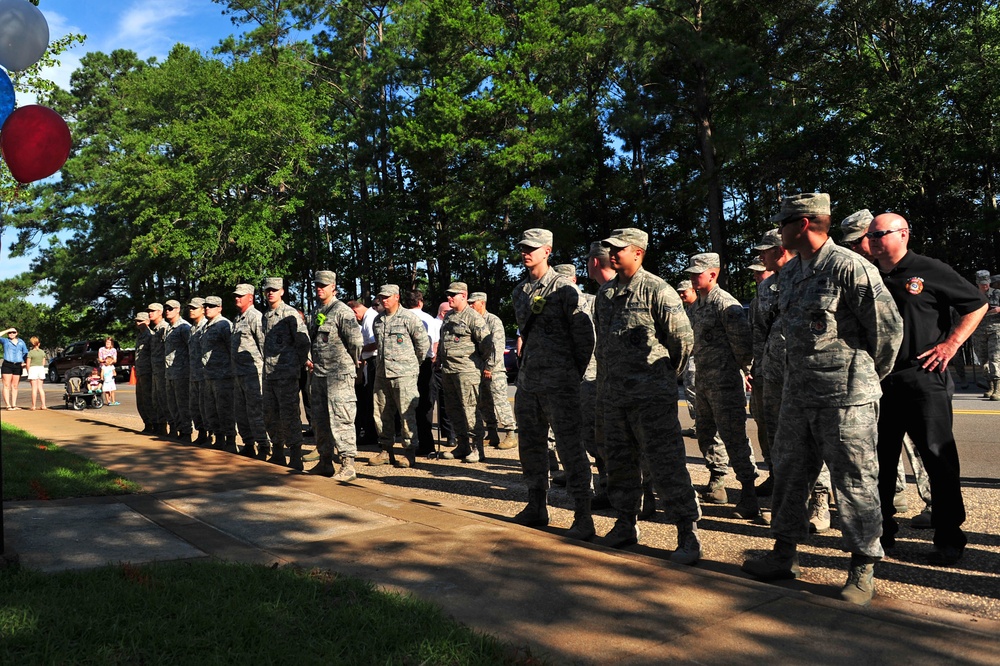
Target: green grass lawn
x,y
36,469
218,613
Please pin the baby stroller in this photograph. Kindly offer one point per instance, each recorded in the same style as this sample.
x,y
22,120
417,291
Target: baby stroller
x,y
77,395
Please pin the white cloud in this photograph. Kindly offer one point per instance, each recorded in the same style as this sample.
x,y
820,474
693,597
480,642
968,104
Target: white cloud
x,y
148,27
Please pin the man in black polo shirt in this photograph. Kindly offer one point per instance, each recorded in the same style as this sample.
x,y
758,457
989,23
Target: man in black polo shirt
x,y
916,396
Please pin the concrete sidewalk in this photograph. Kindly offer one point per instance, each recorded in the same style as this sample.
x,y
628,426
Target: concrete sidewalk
x,y
575,603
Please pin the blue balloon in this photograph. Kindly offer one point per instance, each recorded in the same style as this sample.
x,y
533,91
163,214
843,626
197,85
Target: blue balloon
x,y
6,97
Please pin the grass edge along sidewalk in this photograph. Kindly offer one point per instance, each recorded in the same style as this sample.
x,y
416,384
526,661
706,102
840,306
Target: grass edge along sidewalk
x,y
169,612
212,612
34,469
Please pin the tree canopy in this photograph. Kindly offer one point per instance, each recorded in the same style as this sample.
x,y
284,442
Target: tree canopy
x,y
412,141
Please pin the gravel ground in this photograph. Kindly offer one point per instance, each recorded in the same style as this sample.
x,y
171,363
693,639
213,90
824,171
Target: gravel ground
x,y
494,488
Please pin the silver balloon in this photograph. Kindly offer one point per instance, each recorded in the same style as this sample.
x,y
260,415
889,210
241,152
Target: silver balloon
x,y
24,34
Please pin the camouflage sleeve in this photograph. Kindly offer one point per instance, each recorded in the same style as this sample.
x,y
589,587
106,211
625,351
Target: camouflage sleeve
x,y
484,343
350,333
499,339
758,330
581,328
301,338
673,328
738,332
256,326
421,343
875,309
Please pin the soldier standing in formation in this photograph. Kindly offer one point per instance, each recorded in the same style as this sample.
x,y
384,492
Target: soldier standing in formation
x,y
178,371
215,344
158,330
643,339
414,302
247,354
334,364
286,347
493,412
557,344
402,347
144,374
841,325
467,356
196,372
723,349
986,340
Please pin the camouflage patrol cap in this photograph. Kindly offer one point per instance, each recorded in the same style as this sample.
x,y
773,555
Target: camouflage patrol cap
x,y
389,290
856,224
626,237
684,285
142,318
703,262
213,301
275,283
243,290
983,277
155,306
757,268
771,238
477,296
457,288
196,302
536,238
598,249
325,278
567,270
173,305
803,205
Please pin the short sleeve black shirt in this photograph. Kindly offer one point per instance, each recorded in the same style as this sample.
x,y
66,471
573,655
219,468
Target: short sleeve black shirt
x,y
925,290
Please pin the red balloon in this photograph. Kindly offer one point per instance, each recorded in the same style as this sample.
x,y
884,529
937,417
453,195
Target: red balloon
x,y
35,142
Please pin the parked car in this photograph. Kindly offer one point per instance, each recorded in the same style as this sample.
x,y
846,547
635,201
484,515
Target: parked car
x,y
510,359
84,352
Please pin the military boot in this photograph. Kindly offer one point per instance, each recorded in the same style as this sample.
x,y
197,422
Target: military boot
x,y
324,467
766,489
347,471
995,393
248,450
688,544
295,457
819,512
381,459
461,451
202,438
782,563
229,443
184,438
582,528
493,437
509,441
648,509
277,454
476,454
624,533
748,506
860,586
715,491
536,513
263,450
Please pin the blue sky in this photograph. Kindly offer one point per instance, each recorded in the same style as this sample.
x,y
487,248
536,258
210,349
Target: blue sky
x,y
148,27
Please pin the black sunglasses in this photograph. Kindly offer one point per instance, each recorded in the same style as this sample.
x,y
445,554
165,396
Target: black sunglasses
x,y
875,235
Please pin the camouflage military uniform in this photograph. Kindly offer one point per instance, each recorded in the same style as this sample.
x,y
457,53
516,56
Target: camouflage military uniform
x,y
216,359
493,411
402,346
286,347
336,348
178,375
464,351
723,349
643,337
196,378
557,345
768,360
842,328
247,357
144,378
986,339
157,356
589,427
